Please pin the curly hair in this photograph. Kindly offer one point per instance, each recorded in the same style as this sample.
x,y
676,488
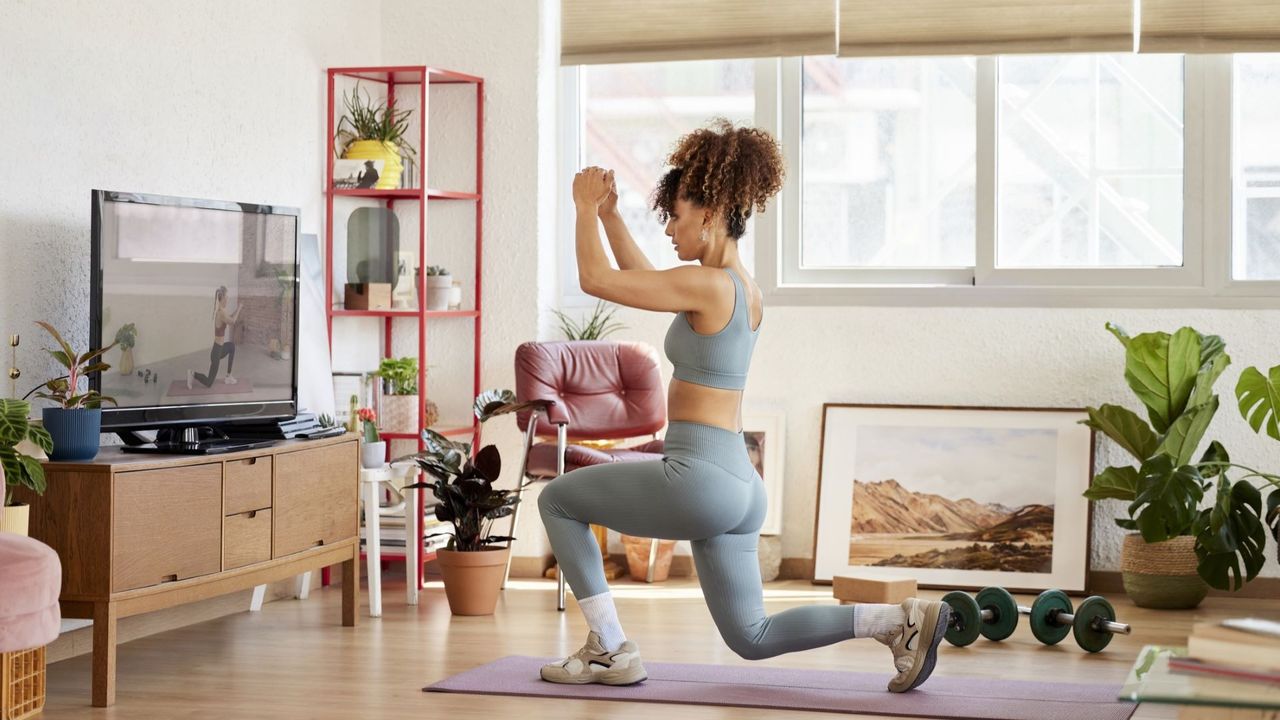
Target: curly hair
x,y
726,169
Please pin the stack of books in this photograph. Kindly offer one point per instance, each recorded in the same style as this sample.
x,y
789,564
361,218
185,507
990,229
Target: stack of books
x,y
391,532
1244,649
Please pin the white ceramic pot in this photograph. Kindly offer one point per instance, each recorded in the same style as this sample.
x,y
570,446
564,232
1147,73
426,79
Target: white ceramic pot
x,y
438,291
14,518
373,455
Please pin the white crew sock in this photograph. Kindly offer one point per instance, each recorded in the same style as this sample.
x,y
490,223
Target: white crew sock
x,y
602,618
872,619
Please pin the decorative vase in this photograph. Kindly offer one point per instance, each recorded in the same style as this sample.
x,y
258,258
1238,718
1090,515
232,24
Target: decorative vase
x,y
455,296
76,433
373,455
387,152
438,287
14,518
1162,575
126,361
472,579
638,558
399,413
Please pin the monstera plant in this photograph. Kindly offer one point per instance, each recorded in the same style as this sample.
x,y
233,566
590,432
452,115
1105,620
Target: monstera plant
x,y
1177,546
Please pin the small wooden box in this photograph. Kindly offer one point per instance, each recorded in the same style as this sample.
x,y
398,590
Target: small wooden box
x,y
868,590
367,296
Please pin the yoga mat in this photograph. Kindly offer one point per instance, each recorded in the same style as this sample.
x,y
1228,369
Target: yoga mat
x,y
811,690
178,388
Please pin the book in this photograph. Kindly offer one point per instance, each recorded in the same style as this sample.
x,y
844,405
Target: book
x,y
1191,666
1257,626
1215,643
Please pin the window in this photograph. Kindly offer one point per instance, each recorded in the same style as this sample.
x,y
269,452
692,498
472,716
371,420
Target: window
x,y
1089,161
629,117
1256,168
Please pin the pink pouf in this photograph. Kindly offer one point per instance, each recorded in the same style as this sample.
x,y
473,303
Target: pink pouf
x,y
30,580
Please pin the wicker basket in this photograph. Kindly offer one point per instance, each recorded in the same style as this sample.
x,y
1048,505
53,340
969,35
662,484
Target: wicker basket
x,y
21,684
1162,575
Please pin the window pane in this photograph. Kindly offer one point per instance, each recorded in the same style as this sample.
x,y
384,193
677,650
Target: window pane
x,y
632,117
889,163
1089,161
1256,168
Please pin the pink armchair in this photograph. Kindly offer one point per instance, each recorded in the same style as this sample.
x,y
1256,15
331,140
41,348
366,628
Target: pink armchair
x,y
593,390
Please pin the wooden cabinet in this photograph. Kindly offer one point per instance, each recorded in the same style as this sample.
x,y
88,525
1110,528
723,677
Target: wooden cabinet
x,y
137,533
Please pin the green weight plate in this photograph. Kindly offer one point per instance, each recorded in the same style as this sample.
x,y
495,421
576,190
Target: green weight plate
x,y
1046,606
1091,609
1004,609
966,620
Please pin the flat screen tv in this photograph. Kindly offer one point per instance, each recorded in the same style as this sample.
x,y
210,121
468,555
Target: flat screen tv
x,y
201,298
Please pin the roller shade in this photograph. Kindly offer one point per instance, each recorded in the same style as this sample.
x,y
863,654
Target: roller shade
x,y
622,31
984,27
1210,26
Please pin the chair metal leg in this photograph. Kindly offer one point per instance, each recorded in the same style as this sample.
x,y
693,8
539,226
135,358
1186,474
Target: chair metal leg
x,y
653,560
524,469
562,435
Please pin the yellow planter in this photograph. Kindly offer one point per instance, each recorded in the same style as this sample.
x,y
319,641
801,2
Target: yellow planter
x,y
388,152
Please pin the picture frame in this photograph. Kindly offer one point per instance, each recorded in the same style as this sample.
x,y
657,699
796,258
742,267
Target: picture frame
x,y
346,384
353,174
764,431
955,497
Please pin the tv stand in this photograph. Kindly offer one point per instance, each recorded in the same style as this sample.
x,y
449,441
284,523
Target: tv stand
x,y
194,440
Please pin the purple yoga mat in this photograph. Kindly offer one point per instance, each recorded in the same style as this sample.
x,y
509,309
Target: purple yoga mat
x,y
812,690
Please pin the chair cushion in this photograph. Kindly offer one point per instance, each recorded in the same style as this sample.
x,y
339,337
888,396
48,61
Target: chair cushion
x,y
604,390
30,581
542,456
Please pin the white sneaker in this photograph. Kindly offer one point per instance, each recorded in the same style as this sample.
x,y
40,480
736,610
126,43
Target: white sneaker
x,y
594,664
230,380
915,643
191,378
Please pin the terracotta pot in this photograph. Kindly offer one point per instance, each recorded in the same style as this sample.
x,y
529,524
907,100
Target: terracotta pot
x,y
638,558
472,579
1162,575
13,518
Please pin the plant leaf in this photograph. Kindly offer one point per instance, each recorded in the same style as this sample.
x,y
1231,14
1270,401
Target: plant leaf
x,y
1118,483
1185,434
1259,399
66,347
1120,334
14,424
1167,500
1210,369
1214,453
1273,517
40,437
1124,427
1232,537
1161,370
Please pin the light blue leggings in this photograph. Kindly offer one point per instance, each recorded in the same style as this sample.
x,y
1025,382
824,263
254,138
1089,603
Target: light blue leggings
x,y
705,490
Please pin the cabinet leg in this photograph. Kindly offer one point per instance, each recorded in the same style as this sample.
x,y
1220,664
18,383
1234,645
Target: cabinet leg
x,y
350,587
104,654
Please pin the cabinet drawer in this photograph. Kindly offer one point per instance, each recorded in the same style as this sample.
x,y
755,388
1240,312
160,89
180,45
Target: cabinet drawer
x,y
246,539
166,524
246,485
314,498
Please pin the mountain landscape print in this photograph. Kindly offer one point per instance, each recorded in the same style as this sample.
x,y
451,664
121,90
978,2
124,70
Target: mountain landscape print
x,y
954,497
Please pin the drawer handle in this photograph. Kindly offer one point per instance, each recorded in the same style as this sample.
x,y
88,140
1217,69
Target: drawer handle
x,y
251,461
169,578
252,514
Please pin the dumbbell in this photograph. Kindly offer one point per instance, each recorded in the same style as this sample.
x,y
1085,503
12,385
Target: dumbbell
x,y
993,613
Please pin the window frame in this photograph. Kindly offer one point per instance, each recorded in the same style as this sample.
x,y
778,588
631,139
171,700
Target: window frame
x,y
1203,281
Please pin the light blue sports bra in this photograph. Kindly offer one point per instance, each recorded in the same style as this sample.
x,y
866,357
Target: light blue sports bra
x,y
718,360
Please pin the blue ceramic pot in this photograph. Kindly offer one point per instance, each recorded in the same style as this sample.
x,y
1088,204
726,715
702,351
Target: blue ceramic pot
x,y
75,432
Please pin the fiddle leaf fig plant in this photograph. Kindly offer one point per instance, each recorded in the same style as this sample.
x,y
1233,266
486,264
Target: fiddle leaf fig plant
x,y
1173,375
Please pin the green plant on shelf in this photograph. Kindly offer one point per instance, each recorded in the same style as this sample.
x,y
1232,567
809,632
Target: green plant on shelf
x,y
399,375
366,120
437,270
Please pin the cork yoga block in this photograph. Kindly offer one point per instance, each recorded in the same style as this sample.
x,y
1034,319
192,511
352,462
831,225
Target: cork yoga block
x,y
871,590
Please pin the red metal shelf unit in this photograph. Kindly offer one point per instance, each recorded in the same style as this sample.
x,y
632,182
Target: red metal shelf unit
x,y
422,77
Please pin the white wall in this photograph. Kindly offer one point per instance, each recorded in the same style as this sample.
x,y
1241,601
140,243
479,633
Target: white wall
x,y
226,100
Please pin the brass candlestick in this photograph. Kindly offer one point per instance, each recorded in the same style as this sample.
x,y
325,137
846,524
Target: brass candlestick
x,y
14,372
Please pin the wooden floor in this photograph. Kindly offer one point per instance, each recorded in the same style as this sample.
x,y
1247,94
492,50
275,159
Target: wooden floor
x,y
292,660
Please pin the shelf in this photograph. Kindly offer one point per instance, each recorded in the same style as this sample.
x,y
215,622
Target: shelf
x,y
399,312
407,75
405,194
443,430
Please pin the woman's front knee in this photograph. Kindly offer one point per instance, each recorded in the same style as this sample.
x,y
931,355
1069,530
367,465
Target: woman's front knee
x,y
547,499
747,648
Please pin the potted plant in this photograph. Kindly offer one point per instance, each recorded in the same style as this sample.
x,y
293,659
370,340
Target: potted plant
x,y
1258,397
439,284
370,131
373,450
75,425
472,569
1178,550
399,397
17,469
594,327
126,337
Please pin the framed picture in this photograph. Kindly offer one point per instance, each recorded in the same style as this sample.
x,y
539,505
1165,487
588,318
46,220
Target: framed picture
x,y
345,385
954,497
356,174
765,432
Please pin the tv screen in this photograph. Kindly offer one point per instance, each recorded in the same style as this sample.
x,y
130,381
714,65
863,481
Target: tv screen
x,y
200,298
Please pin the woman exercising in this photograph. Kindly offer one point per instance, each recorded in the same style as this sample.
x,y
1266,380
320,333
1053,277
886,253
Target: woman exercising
x,y
705,488
222,348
